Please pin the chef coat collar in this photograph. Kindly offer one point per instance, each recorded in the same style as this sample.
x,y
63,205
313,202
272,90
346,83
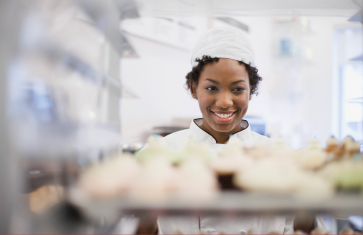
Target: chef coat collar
x,y
201,136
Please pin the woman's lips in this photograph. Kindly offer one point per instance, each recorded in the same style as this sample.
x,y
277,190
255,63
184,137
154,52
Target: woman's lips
x,y
223,117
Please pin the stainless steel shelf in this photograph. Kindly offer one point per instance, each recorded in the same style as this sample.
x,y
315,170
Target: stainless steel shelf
x,y
227,202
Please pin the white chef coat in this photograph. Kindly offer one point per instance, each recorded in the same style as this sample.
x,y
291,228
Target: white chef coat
x,y
218,224
179,139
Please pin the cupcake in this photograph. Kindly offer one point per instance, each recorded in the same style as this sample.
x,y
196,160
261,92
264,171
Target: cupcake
x,y
341,152
268,176
299,232
156,182
350,176
351,149
346,230
110,178
197,181
195,150
332,145
319,231
230,160
155,147
313,187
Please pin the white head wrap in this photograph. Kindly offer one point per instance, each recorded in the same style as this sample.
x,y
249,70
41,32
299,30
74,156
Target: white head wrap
x,y
224,42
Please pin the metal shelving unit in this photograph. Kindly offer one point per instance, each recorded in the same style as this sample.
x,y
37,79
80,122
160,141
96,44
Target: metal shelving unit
x,y
105,16
236,203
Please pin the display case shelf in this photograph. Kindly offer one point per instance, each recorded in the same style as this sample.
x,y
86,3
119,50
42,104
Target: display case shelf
x,y
236,203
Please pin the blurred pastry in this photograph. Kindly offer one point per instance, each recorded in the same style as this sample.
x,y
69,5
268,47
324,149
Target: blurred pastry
x,y
259,152
155,147
299,232
311,158
197,181
352,148
110,178
177,232
195,150
314,144
346,230
156,182
350,176
312,187
230,160
45,197
332,144
341,152
268,176
319,231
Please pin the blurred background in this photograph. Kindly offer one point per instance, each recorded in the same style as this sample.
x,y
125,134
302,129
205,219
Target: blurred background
x,y
311,68
82,79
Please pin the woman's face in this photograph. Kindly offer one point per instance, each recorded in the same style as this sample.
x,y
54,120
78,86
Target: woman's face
x,y
223,93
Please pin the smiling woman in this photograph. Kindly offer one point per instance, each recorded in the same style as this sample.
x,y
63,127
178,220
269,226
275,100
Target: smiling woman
x,y
222,80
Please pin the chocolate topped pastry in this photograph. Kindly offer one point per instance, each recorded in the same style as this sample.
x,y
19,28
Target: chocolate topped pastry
x,y
332,145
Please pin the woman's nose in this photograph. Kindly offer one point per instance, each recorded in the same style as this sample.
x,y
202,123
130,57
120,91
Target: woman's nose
x,y
224,100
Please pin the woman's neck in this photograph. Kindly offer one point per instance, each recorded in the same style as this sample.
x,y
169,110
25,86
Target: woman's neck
x,y
220,137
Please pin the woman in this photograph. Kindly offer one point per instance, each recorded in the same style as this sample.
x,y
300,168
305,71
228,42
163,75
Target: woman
x,y
222,80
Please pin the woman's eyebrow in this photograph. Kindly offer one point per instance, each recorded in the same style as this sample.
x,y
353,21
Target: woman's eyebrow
x,y
211,80
238,82
215,82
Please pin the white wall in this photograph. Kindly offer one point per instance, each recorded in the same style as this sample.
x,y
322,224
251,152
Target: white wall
x,y
158,79
295,96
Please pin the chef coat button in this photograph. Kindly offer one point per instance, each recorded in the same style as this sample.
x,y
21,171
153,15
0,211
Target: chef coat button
x,y
242,232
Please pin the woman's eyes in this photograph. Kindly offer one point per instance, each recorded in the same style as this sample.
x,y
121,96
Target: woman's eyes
x,y
211,88
238,89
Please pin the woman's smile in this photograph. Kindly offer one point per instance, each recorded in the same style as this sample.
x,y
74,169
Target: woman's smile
x,y
223,117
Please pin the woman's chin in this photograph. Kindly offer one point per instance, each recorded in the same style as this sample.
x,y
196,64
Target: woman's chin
x,y
225,128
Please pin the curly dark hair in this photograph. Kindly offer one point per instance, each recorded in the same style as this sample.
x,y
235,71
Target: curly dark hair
x,y
193,76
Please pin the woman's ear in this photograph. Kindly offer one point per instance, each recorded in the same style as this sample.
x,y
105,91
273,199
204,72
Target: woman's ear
x,y
193,90
250,97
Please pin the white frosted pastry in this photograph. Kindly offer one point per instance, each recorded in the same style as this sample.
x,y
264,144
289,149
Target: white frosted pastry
x,y
313,159
155,147
259,152
231,159
156,182
269,177
314,144
231,165
313,187
330,171
110,178
197,181
196,150
299,232
281,150
319,231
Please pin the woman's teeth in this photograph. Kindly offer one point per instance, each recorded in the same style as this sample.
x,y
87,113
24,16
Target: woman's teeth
x,y
221,115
